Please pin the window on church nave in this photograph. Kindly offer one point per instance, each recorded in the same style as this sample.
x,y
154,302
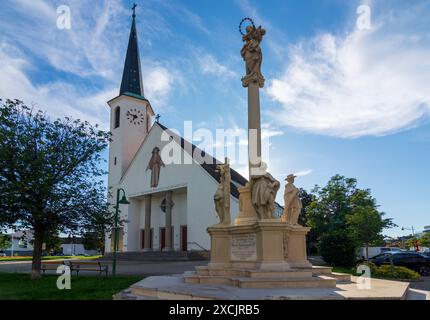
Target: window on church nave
x,y
117,115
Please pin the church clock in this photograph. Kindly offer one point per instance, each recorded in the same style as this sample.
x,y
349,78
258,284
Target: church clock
x,y
135,116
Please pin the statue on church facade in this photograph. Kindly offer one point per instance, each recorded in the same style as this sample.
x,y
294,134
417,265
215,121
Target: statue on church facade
x,y
263,194
252,54
292,202
155,165
222,195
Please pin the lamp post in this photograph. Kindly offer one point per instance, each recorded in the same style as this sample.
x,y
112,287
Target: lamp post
x,y
413,230
116,228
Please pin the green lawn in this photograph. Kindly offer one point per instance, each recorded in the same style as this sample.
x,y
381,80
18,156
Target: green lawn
x,y
48,258
17,286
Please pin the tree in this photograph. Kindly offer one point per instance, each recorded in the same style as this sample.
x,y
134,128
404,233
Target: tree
x,y
365,225
95,229
338,248
50,173
311,238
425,240
341,205
5,241
331,204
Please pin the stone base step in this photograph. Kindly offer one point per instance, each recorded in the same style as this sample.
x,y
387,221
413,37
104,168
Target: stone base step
x,y
295,273
174,288
260,283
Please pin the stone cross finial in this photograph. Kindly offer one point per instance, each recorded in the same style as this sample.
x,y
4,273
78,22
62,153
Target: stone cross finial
x,y
134,10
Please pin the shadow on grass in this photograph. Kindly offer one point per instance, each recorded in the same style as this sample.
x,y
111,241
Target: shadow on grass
x,y
15,286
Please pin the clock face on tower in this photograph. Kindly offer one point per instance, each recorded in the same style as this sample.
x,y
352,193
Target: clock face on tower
x,y
135,116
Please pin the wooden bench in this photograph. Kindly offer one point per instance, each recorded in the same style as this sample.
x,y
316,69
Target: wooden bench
x,y
88,266
51,265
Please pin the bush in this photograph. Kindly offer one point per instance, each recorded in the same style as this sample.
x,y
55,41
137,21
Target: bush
x,y
391,272
396,273
337,249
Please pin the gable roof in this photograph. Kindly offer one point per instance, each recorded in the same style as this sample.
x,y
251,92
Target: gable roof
x,y
209,166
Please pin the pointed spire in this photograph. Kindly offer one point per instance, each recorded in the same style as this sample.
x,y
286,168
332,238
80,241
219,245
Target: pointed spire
x,y
132,76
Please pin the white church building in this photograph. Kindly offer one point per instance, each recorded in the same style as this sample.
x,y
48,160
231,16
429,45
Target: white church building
x,y
171,204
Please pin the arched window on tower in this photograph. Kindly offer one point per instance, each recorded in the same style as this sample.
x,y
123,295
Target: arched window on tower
x,y
117,116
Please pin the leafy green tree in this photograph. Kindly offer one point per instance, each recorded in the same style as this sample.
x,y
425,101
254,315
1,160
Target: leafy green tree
x,y
96,227
366,224
5,241
425,240
337,248
50,173
311,238
341,205
331,204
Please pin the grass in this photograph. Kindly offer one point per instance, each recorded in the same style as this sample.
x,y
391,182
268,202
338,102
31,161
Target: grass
x,y
345,270
17,286
49,258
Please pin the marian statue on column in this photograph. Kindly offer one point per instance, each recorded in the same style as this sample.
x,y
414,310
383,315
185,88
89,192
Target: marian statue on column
x,y
252,54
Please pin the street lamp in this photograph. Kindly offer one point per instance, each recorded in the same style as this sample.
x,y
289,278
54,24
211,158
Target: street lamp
x,y
116,228
413,230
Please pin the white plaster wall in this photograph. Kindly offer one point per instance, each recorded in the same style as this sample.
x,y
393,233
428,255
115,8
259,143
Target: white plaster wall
x,y
199,199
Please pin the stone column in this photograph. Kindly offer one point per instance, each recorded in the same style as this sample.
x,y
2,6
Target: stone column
x,y
169,245
254,127
147,244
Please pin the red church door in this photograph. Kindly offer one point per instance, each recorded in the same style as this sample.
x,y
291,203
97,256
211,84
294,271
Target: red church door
x,y
162,238
184,238
142,239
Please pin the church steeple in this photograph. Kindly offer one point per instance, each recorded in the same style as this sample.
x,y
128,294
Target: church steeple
x,y
132,76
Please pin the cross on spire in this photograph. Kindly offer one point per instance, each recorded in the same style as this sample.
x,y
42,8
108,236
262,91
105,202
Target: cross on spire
x,y
134,10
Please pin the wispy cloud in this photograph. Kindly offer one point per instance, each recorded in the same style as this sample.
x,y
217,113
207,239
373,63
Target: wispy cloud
x,y
367,83
210,65
303,173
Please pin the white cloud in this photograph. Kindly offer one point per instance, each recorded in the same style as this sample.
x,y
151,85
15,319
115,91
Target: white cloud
x,y
57,98
367,83
157,84
303,173
210,65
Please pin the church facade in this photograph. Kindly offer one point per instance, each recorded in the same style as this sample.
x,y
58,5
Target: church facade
x,y
171,204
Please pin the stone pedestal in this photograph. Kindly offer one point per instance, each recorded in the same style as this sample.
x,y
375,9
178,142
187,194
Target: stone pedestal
x,y
256,253
263,245
247,214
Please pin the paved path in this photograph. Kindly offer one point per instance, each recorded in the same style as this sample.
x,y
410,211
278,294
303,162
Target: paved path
x,y
146,269
125,268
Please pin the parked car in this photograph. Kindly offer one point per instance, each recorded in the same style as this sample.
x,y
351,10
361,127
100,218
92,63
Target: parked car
x,y
426,253
2,254
411,260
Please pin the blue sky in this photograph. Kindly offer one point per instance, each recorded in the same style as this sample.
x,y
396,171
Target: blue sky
x,y
337,99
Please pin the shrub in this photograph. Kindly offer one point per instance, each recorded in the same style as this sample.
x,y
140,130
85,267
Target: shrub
x,y
337,249
391,272
394,272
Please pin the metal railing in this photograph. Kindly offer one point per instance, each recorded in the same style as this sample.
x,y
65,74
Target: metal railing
x,y
198,245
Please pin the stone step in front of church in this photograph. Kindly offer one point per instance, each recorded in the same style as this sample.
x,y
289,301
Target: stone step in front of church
x,y
264,283
174,288
159,256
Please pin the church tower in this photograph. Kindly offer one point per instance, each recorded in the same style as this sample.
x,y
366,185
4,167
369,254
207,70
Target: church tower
x,y
131,113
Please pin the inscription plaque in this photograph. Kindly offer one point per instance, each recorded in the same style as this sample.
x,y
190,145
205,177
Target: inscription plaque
x,y
244,247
